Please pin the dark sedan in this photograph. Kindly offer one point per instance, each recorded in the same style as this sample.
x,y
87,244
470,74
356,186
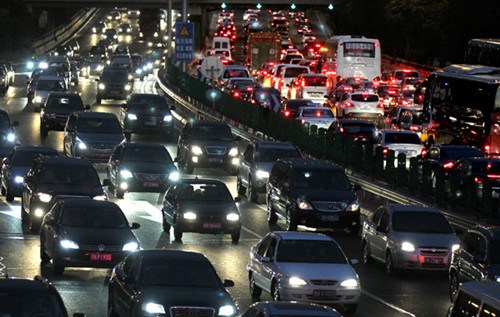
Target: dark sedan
x,y
140,167
362,130
85,233
202,206
161,282
480,169
56,110
16,165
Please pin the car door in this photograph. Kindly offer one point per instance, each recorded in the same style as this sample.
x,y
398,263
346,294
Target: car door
x,y
466,255
473,258
370,228
245,165
114,165
50,228
256,265
269,268
284,189
379,239
169,204
125,284
69,135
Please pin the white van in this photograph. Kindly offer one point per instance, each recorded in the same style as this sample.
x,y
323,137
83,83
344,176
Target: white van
x,y
286,75
221,42
476,299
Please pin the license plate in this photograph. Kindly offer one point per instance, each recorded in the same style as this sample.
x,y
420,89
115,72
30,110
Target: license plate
x,y
212,226
214,160
101,257
324,293
151,184
434,260
330,218
150,123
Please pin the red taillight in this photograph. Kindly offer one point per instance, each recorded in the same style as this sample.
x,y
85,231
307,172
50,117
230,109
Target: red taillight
x,y
303,83
415,128
249,88
318,114
287,113
236,94
423,153
349,104
478,180
405,102
341,130
385,151
487,145
448,165
493,176
303,121
380,105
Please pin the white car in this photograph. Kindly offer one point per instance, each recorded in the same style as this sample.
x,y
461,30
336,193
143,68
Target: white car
x,y
401,141
310,86
322,117
360,103
305,267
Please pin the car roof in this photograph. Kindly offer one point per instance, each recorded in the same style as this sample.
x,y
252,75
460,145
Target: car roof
x,y
95,114
23,284
153,256
301,235
413,208
240,67
484,290
309,163
492,232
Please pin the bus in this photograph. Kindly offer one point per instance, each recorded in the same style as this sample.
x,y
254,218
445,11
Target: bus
x,y
356,56
483,52
462,106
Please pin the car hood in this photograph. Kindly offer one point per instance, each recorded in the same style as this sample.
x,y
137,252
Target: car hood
x,y
228,143
208,207
96,236
169,296
148,167
313,271
101,137
19,170
264,166
68,189
325,195
427,239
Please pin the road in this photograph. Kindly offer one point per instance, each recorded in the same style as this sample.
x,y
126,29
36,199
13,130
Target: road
x,y
85,290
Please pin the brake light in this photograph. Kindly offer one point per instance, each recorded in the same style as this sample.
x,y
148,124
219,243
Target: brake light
x,y
249,88
341,130
385,151
405,102
493,176
415,128
423,153
380,105
303,83
236,94
448,165
487,145
318,114
287,113
349,104
478,180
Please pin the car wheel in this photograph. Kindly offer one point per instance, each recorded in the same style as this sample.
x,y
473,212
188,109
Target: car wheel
x,y
43,131
255,291
454,285
239,187
275,291
367,259
119,193
44,258
350,309
389,264
272,218
57,267
166,226
177,234
9,195
291,222
252,195
235,236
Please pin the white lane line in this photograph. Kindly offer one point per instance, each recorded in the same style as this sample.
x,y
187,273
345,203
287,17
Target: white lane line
x,y
380,300
253,233
15,211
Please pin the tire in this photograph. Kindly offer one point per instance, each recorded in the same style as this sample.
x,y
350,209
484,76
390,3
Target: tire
x,y
367,259
44,258
275,292
252,195
272,217
9,195
166,226
255,291
389,264
177,234
57,267
235,236
240,188
453,286
291,223
43,131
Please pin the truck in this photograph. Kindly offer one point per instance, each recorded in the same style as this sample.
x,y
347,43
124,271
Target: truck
x,y
262,47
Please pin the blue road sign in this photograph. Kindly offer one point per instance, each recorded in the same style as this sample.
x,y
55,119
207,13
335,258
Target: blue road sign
x,y
184,42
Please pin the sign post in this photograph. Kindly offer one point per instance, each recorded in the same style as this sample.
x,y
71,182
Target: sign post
x,y
184,42
212,67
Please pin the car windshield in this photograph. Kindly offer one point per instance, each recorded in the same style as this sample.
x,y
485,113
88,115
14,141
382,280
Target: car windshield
x,y
212,132
52,85
317,113
26,158
230,73
402,138
403,74
118,77
326,179
153,109
91,217
69,175
364,97
271,155
146,155
68,103
99,125
315,81
358,127
494,252
310,251
459,153
178,273
291,72
27,304
421,222
204,192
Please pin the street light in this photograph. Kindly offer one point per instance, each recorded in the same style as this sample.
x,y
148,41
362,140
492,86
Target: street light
x,y
259,6
330,6
223,5
293,6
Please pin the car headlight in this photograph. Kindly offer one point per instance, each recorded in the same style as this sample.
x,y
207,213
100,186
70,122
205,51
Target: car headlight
x,y
102,86
81,145
100,197
18,179
189,215
131,246
68,244
131,116
153,308
296,281
99,68
233,151
350,283
233,217
227,310
174,176
38,99
354,206
497,278
126,174
407,246
455,247
44,197
30,65
262,174
167,118
94,29
304,204
128,87
138,71
196,150
11,137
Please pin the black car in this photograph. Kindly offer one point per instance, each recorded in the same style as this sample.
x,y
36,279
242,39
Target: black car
x,y
56,110
292,106
140,167
16,165
265,97
99,51
313,193
85,233
205,143
114,83
168,283
8,135
202,206
53,176
358,129
147,114
480,169
31,297
477,259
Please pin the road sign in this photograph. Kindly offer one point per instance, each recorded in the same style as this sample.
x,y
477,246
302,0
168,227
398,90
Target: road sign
x,y
184,42
212,67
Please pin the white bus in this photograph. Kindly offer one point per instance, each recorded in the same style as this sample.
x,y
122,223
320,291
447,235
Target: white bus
x,y
357,56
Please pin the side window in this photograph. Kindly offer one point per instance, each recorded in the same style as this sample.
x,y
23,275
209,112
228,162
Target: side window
x,y
131,267
272,248
384,221
377,215
263,246
248,155
465,306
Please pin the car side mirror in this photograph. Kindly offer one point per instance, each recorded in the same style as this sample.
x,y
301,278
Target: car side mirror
x,y
266,259
237,199
172,108
356,187
87,107
106,182
15,123
353,261
228,283
135,225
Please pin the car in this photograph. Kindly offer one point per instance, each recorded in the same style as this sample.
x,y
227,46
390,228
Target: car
x,y
256,164
51,176
205,143
96,66
360,104
478,169
400,141
201,206
44,86
75,73
446,155
31,297
292,106
303,266
140,167
314,193
110,34
228,86
321,117
476,299
98,28
62,64
114,83
121,61
265,97
408,237
147,114
8,140
290,309
56,110
231,71
405,118
287,73
125,28
98,51
313,87
387,94
16,165
114,15
477,258
241,89
80,232
358,129
178,282
7,128
398,75
92,135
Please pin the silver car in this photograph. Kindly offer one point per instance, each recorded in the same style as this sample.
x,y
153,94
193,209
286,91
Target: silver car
x,y
44,86
408,237
289,309
305,267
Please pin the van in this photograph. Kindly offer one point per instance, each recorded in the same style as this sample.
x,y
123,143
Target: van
x,y
220,42
476,299
287,74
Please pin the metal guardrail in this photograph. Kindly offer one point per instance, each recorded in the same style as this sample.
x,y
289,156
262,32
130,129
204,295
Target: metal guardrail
x,y
381,190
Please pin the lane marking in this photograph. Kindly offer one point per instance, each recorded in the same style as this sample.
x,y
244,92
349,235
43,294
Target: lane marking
x,y
253,233
380,300
15,211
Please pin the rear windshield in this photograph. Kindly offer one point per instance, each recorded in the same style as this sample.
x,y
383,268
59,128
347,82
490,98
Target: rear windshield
x,y
420,222
364,97
295,71
205,192
69,102
314,81
403,74
459,153
296,104
327,179
406,138
358,127
52,85
317,113
230,73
